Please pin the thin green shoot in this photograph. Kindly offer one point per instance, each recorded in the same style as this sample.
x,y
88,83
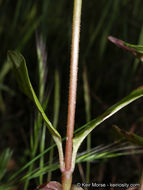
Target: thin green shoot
x,y
88,116
56,116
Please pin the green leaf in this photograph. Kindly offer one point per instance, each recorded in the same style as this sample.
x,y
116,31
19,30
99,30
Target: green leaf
x,y
136,50
115,149
40,171
4,159
17,173
21,73
131,137
87,128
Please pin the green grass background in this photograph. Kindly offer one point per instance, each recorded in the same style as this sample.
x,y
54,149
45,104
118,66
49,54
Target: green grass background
x,y
111,73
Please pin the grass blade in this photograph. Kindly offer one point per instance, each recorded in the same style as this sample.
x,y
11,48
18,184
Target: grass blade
x,y
4,159
56,115
109,151
87,109
42,71
131,137
94,35
14,176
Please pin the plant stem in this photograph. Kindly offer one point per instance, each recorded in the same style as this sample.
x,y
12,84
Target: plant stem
x,y
67,175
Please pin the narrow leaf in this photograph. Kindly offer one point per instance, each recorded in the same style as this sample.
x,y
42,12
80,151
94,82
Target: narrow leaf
x,y
87,128
115,149
56,115
136,50
131,137
21,73
5,157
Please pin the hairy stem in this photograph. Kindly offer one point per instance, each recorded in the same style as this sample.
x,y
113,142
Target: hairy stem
x,y
67,175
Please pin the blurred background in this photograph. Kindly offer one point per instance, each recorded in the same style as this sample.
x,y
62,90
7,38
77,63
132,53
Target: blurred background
x,y
41,31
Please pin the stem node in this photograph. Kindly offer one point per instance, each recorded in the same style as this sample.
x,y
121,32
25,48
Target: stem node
x,y
66,180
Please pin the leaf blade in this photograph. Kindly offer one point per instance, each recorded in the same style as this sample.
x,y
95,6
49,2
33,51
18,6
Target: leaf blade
x,y
21,73
20,69
131,137
136,50
87,128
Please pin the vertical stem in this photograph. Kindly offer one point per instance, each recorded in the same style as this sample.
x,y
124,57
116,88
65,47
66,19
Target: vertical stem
x,y
73,82
72,91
